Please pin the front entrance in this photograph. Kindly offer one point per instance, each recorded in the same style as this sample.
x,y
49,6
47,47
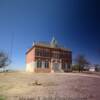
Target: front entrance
x,y
56,67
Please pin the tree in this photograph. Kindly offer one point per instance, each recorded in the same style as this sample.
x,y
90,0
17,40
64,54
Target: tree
x,y
97,67
4,60
81,61
75,67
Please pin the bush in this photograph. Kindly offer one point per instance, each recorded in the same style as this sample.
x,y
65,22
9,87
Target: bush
x,y
97,69
2,98
75,67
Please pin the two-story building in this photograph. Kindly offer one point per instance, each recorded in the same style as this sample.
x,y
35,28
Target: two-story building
x,y
48,57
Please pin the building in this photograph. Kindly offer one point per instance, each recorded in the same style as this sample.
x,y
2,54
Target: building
x,y
48,57
92,68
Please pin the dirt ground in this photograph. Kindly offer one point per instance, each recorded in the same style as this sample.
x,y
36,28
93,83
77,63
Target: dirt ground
x,y
62,86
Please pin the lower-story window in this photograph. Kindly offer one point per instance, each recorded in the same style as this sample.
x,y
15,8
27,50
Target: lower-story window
x,y
39,64
46,64
63,66
68,66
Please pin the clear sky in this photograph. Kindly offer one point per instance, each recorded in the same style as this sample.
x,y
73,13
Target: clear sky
x,y
74,23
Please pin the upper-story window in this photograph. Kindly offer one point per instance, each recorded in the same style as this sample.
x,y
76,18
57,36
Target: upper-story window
x,y
46,53
56,54
38,52
42,52
66,55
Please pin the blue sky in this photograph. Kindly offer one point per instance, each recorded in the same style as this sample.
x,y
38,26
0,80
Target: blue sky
x,y
74,23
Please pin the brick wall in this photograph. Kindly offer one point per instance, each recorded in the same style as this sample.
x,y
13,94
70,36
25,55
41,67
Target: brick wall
x,y
30,56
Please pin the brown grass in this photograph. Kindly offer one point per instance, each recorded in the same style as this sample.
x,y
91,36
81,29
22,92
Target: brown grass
x,y
48,85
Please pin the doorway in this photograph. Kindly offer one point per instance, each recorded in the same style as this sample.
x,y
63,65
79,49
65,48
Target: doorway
x,y
56,67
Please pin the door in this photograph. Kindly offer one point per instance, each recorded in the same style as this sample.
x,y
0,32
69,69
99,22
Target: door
x,y
56,67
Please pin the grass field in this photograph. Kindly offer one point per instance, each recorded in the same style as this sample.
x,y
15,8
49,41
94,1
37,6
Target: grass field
x,y
62,86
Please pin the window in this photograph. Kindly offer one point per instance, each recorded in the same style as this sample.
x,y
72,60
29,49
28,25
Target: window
x,y
68,66
39,64
38,52
63,66
46,53
46,64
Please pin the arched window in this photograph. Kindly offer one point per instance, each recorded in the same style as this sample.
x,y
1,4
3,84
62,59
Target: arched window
x,y
46,64
39,64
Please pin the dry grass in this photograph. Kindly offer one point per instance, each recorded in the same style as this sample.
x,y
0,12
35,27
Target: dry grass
x,y
73,86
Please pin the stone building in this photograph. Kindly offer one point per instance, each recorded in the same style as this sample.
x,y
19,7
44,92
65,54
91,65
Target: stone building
x,y
48,57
